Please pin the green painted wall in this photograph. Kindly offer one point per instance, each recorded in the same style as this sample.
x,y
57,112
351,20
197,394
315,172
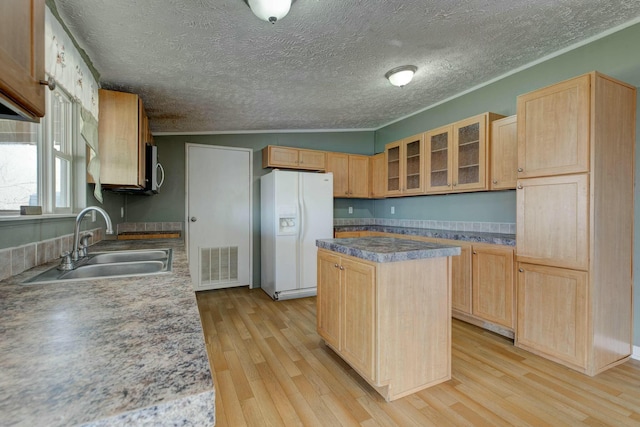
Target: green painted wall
x,y
169,204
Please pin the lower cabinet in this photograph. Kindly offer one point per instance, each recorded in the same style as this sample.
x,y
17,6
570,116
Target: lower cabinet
x,y
389,321
483,286
552,313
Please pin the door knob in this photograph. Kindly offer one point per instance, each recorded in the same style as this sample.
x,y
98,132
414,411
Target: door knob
x,y
194,219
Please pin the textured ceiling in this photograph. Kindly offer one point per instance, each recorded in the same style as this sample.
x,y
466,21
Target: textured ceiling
x,y
211,65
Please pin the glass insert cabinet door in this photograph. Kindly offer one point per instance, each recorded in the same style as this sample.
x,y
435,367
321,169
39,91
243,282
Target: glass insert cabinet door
x,y
393,168
413,170
470,154
439,159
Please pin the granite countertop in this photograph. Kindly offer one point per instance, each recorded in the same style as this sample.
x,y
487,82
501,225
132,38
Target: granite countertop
x,y
468,236
107,352
387,249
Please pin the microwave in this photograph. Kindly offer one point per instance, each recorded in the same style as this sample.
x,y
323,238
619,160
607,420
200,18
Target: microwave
x,y
154,175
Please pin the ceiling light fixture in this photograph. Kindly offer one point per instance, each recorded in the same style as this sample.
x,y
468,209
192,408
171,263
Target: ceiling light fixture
x,y
270,10
400,76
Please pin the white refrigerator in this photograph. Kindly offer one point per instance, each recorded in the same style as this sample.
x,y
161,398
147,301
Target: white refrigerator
x,y
296,210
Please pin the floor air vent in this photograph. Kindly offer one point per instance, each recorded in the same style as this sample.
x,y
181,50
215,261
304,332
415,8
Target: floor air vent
x,y
219,265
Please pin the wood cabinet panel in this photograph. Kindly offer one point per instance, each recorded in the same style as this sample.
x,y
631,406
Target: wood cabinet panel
x,y
358,296
552,312
493,284
553,129
338,165
22,57
293,158
504,153
552,221
328,299
121,136
358,176
377,176
461,279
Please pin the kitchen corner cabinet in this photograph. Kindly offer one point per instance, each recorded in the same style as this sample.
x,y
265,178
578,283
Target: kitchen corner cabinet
x,y
386,321
293,158
350,174
504,154
457,155
22,59
376,176
123,131
574,214
404,165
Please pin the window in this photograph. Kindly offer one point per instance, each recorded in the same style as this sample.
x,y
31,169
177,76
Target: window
x,y
37,164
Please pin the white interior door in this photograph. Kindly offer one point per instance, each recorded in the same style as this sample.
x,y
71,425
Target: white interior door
x,y
218,216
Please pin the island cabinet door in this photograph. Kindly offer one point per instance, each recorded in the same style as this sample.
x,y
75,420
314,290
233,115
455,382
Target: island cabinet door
x,y
358,314
328,300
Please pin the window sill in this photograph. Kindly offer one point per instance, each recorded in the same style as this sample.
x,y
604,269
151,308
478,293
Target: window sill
x,y
18,217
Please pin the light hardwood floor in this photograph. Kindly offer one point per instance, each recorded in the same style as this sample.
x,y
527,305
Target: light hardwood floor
x,y
270,368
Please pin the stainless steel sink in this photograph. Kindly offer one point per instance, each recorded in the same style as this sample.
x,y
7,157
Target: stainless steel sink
x,y
111,264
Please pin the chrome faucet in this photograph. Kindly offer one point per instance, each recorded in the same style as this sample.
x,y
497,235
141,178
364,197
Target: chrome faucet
x,y
77,251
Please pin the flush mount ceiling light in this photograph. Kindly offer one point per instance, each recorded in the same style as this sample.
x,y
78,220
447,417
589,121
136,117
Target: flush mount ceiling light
x,y
270,10
400,76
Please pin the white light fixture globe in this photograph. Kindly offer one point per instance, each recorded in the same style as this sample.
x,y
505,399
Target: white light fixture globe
x,y
270,10
401,76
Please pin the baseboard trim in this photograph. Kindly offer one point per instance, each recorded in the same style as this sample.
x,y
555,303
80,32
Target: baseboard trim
x,y
636,352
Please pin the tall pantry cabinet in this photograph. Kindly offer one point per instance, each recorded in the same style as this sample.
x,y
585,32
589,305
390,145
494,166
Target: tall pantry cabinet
x,y
575,222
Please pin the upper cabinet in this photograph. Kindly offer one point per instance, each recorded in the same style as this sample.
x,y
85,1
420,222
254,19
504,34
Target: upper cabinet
x,y
123,132
504,153
350,174
405,166
293,158
553,129
21,59
377,179
457,155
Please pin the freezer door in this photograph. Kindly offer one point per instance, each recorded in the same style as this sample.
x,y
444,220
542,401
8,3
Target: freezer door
x,y
316,222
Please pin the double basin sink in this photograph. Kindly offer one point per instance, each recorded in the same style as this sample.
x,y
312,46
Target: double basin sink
x,y
111,264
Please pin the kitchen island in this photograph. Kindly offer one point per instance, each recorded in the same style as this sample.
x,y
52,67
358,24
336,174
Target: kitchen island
x,y
103,352
384,305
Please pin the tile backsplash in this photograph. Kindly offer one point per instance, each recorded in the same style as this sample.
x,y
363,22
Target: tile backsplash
x,y
149,226
485,227
20,258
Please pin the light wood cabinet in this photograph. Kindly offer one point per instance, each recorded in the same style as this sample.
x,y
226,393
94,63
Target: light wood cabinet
x,y
575,221
457,155
552,313
461,277
350,174
293,158
553,129
405,166
389,321
123,131
552,219
22,59
376,176
493,284
504,153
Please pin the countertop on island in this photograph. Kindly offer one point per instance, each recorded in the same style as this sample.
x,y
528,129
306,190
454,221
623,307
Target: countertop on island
x,y
467,236
387,249
107,352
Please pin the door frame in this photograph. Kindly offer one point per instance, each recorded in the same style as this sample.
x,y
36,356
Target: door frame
x,y
186,197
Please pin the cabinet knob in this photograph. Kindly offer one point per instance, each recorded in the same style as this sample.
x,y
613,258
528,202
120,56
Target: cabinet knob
x,y
521,270
341,268
495,182
520,170
335,265
50,83
455,184
519,187
475,253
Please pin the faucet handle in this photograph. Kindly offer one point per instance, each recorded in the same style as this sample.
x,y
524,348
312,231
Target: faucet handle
x,y
84,244
66,263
